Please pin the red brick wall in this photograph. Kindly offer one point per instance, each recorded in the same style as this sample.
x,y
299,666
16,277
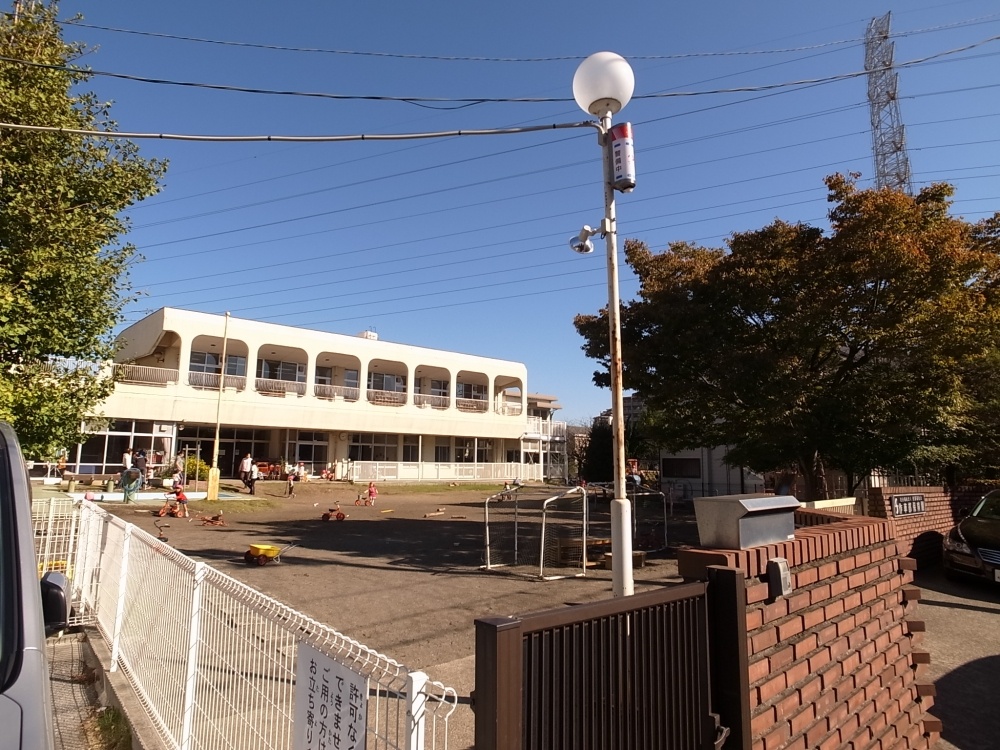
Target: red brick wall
x,y
921,534
837,663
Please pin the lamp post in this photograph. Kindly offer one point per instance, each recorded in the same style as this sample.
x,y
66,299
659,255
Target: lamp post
x,y
213,473
602,86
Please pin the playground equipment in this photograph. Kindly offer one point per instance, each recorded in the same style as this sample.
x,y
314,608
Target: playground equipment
x,y
335,514
262,554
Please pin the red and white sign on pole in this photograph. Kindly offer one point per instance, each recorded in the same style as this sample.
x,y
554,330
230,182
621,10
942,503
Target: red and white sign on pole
x,y
622,157
331,703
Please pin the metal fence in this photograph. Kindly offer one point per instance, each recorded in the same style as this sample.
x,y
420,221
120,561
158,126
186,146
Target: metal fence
x,y
211,660
563,535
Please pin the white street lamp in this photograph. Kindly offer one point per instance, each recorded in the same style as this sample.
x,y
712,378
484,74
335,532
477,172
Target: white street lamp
x,y
602,85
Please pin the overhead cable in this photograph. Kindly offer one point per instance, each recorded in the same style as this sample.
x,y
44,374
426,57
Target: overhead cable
x,y
458,58
470,101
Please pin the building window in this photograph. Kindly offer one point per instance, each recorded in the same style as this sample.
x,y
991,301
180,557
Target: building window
x,y
383,381
439,387
236,364
442,450
484,451
311,453
373,446
274,369
411,448
351,379
680,468
324,375
209,362
471,390
204,362
464,450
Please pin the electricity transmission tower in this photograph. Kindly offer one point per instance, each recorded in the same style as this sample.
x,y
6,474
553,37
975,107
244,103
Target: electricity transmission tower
x,y
892,166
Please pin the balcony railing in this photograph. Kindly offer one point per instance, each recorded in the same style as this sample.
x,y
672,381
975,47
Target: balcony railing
x,y
210,380
435,402
271,387
386,398
145,375
332,392
546,428
472,404
510,410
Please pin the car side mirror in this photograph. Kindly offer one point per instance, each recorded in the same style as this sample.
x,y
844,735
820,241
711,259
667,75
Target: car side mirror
x,y
55,602
963,512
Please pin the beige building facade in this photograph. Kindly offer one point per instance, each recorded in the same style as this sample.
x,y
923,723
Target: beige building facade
x,y
353,406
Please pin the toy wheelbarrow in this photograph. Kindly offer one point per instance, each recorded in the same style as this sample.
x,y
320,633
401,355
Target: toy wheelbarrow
x,y
262,554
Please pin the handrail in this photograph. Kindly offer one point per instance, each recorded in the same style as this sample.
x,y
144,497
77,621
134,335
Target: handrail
x,y
386,398
331,392
426,399
272,386
210,380
472,404
125,373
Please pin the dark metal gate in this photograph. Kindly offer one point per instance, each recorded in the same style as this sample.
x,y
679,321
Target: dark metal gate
x,y
618,674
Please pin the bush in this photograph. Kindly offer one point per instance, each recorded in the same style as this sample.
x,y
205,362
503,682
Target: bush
x,y
196,469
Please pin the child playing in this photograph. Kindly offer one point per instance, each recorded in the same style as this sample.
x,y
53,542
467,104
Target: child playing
x,y
372,493
182,504
175,506
290,492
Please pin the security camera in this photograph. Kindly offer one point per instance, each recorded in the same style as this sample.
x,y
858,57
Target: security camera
x,y
581,243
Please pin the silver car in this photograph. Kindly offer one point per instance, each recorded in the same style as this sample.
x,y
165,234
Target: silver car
x,y
25,695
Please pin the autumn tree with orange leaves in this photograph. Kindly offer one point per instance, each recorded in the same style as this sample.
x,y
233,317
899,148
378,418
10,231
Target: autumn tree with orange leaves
x,y
858,348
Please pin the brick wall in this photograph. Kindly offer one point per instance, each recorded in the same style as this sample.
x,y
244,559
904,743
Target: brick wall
x,y
837,663
921,534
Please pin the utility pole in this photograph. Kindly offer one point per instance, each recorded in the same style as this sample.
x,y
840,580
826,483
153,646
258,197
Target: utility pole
x,y
892,165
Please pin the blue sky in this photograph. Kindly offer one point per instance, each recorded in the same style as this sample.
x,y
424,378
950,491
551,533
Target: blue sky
x,y
461,243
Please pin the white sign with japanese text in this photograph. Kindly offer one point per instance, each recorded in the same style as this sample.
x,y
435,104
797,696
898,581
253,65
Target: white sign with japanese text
x,y
331,704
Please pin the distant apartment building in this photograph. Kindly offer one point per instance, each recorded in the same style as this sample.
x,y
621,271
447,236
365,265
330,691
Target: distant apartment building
x,y
356,406
632,409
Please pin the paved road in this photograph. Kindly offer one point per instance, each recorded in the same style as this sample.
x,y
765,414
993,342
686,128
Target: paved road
x,y
963,637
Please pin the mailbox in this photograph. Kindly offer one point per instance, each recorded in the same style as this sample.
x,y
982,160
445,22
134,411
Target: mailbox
x,y
744,521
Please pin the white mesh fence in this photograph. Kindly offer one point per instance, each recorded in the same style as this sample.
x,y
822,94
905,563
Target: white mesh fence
x,y
213,661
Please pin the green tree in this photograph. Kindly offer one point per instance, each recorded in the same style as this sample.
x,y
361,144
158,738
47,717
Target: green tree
x,y
798,348
63,266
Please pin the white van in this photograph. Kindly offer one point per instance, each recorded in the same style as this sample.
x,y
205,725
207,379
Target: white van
x,y
25,694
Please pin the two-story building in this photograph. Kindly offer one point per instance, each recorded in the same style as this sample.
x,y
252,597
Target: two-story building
x,y
359,407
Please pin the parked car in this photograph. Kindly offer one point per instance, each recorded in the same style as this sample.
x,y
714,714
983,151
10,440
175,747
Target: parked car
x,y
973,546
29,610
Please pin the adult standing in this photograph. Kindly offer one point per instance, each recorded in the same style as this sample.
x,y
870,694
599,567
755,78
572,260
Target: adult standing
x,y
126,465
252,476
140,464
245,465
180,468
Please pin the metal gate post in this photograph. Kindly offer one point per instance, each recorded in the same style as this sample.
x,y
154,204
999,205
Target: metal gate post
x,y
120,606
499,682
416,710
191,675
727,633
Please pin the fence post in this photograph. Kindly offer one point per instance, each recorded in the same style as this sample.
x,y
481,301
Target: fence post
x,y
730,676
416,710
190,680
120,606
499,683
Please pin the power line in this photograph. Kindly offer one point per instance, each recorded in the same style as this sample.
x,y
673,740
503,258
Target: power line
x,y
457,58
459,101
